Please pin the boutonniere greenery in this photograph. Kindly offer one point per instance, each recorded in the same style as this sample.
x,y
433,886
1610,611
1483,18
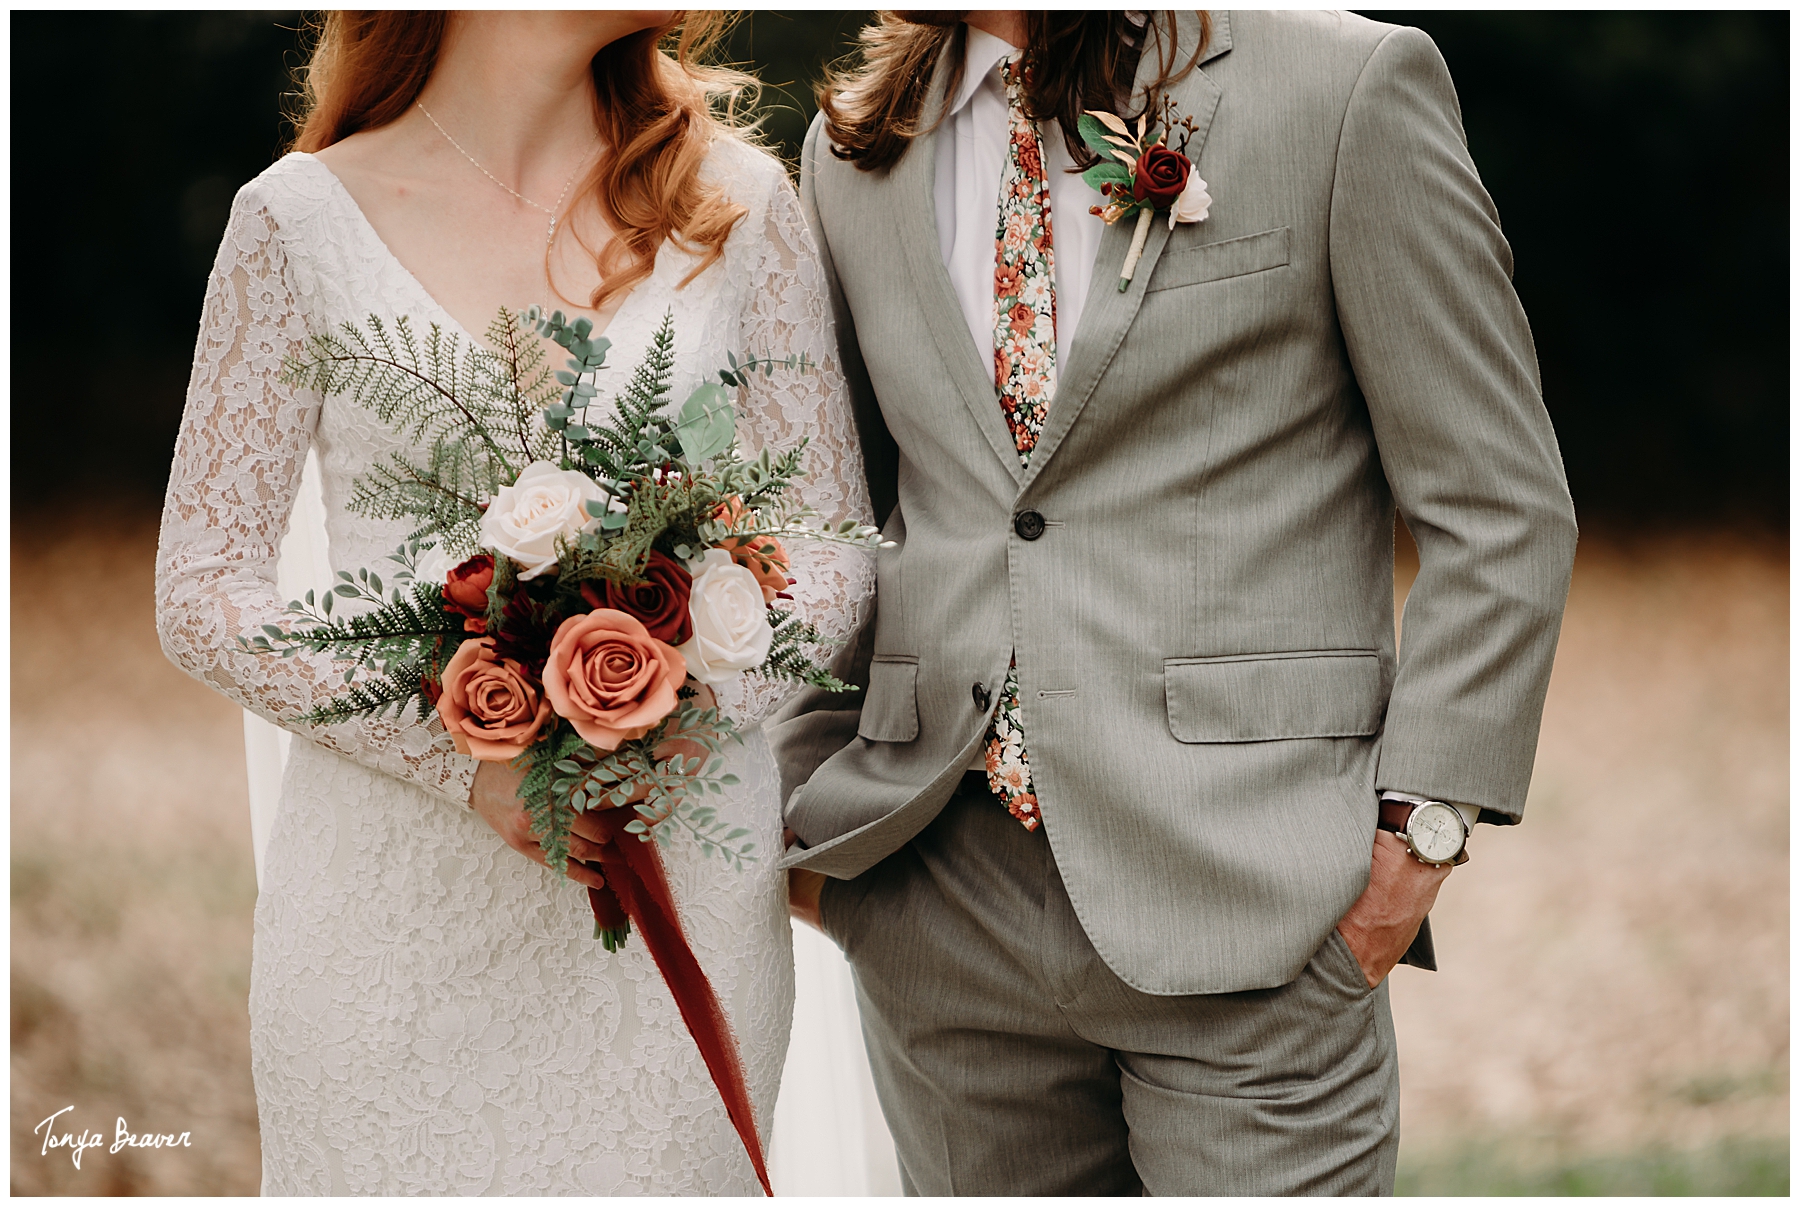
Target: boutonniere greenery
x,y
1140,172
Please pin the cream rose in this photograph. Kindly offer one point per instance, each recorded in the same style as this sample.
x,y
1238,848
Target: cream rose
x,y
434,565
1194,203
526,519
731,621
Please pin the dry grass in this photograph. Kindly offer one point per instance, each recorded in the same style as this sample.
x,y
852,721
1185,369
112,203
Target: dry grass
x,y
1615,971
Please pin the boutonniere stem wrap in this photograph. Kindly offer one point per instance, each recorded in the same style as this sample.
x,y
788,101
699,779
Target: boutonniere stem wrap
x,y
1139,172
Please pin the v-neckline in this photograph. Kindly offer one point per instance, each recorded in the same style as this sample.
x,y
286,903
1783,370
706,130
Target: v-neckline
x,y
455,324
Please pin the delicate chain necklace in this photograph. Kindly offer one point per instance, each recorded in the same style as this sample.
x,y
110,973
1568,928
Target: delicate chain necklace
x,y
550,232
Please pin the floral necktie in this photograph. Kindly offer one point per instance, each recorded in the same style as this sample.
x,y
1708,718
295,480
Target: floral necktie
x,y
1025,373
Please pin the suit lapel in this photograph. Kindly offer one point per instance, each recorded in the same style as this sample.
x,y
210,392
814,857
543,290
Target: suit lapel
x,y
914,211
1107,315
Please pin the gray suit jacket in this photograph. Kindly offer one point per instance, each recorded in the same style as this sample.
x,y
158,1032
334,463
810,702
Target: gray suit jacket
x,y
1205,629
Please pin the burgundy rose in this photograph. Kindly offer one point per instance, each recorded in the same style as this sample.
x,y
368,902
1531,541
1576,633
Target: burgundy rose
x,y
660,602
466,591
1160,176
524,632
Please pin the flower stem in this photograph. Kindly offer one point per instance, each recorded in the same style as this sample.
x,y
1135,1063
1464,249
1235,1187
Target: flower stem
x,y
1137,247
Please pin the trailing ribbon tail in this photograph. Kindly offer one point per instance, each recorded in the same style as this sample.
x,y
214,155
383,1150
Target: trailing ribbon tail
x,y
637,889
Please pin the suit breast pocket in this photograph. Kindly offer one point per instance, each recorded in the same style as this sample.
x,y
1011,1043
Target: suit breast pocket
x,y
891,711
1217,261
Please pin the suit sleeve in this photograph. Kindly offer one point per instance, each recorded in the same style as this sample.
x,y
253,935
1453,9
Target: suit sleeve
x,y
1443,355
817,724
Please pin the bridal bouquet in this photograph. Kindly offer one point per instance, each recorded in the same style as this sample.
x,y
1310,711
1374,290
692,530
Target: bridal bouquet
x,y
566,589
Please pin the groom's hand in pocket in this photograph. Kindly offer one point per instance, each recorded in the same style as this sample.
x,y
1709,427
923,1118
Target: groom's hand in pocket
x,y
1385,919
495,796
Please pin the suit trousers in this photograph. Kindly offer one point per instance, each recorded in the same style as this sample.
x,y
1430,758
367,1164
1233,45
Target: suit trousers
x,y
1009,1059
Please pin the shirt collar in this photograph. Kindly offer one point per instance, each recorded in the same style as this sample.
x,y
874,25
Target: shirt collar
x,y
980,55
984,50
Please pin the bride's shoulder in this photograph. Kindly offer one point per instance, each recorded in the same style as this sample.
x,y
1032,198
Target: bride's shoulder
x,y
740,164
289,193
750,175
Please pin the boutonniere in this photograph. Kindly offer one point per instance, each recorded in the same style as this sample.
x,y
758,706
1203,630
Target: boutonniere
x,y
1139,172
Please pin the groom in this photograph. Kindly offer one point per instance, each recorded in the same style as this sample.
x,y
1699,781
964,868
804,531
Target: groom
x,y
1141,805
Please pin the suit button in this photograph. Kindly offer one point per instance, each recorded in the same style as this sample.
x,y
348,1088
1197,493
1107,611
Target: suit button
x,y
981,696
1029,525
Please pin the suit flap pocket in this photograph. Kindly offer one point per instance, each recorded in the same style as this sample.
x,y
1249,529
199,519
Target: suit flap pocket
x,y
1216,261
1265,697
891,711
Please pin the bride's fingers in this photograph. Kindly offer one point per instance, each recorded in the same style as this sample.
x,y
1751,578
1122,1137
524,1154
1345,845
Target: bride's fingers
x,y
585,876
581,848
588,827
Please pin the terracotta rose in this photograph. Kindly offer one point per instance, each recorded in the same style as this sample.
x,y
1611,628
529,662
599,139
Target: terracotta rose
x,y
490,706
660,601
610,679
466,591
763,556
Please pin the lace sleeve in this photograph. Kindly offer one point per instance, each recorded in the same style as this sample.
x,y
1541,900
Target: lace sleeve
x,y
788,311
243,442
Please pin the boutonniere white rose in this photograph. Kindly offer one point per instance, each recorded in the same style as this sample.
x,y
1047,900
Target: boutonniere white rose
x,y
1139,172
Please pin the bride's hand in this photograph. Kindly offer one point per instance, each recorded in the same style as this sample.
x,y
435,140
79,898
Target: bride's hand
x,y
495,796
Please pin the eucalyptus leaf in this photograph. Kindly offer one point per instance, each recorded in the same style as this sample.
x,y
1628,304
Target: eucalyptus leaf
x,y
708,424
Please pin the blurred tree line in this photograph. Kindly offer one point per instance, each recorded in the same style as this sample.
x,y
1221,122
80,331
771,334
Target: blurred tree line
x,y
1639,161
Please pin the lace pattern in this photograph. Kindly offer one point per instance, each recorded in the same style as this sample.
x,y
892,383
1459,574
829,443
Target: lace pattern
x,y
429,1014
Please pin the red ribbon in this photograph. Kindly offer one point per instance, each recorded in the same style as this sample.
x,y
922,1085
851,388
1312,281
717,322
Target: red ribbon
x,y
637,889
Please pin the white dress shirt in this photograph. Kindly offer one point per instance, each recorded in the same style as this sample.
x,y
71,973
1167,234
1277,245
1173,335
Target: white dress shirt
x,y
971,153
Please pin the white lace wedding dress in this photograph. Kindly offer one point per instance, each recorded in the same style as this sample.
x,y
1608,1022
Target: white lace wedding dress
x,y
429,1011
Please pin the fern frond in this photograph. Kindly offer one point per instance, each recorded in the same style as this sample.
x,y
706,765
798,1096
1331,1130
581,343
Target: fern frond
x,y
400,685
788,657
408,626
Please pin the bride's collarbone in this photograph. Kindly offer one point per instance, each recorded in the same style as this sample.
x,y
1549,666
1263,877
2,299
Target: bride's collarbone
x,y
472,249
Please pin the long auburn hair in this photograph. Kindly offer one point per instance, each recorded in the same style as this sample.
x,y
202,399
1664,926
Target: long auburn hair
x,y
1073,60
659,107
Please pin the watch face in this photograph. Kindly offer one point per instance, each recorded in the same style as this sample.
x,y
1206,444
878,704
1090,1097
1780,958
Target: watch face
x,y
1436,832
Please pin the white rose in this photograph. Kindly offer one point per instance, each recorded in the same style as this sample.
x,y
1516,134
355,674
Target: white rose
x,y
1193,204
434,565
546,503
731,622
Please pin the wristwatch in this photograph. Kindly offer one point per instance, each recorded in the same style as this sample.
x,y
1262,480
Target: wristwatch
x,y
1434,831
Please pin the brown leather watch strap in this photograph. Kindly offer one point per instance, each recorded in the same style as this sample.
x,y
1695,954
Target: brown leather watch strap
x,y
1395,814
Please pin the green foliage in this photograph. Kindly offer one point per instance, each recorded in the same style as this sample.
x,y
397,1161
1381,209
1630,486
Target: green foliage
x,y
637,437
551,817
788,658
473,411
568,777
409,625
391,691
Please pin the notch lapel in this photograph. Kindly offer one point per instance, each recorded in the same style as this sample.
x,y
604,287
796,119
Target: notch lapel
x,y
914,211
1107,315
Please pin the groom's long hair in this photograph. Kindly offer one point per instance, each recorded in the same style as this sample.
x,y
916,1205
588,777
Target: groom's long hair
x,y
1073,61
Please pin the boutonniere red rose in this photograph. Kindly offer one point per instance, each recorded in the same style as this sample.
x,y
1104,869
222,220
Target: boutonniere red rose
x,y
1139,172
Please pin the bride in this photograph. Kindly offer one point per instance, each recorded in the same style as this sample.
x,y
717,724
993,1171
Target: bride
x,y
429,1012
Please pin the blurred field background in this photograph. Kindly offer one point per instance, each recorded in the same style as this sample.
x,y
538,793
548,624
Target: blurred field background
x,y
1612,1012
